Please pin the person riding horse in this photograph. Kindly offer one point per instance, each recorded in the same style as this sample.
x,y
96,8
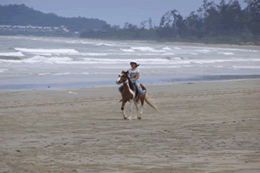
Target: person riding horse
x,y
131,91
134,75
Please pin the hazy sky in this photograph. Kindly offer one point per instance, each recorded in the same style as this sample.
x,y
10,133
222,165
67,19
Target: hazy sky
x,y
114,12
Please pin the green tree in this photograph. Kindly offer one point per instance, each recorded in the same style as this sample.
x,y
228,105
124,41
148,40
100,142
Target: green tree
x,y
254,18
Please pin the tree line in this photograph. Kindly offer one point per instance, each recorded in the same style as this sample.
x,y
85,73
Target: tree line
x,y
23,15
225,22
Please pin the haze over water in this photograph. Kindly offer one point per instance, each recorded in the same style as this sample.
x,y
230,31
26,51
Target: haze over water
x,y
36,62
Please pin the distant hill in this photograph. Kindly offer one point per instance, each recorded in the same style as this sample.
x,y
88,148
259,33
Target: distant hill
x,y
23,15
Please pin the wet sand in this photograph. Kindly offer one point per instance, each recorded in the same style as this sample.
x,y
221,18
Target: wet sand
x,y
202,127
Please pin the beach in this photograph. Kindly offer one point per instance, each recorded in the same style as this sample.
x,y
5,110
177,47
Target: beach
x,y
200,127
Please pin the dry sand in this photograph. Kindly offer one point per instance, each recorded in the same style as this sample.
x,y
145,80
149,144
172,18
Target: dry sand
x,y
203,127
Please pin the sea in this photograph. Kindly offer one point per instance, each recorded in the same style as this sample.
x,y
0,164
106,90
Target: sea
x,y
39,63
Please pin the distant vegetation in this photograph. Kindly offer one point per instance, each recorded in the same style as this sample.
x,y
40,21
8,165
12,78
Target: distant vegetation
x,y
211,23
23,15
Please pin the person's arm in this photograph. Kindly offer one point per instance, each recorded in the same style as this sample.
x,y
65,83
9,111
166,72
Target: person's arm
x,y
137,77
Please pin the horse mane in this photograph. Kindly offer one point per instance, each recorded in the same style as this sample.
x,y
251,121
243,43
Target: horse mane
x,y
130,83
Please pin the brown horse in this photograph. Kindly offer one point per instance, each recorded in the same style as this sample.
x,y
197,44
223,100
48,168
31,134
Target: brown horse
x,y
131,94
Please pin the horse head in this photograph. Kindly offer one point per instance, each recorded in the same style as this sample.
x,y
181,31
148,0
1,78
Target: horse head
x,y
122,77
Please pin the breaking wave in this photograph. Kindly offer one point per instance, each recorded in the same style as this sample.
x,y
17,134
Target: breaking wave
x,y
53,51
162,61
13,54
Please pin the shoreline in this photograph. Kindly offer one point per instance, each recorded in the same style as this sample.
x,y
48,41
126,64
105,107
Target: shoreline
x,y
225,46
203,127
162,82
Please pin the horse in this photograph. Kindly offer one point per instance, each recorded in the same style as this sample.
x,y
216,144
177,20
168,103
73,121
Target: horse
x,y
131,94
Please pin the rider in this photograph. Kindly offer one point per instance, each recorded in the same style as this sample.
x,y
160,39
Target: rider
x,y
134,75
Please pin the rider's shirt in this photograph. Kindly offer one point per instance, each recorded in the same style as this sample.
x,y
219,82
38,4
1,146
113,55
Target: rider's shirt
x,y
133,74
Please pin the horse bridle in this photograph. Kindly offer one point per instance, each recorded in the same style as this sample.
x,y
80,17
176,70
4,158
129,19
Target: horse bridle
x,y
120,82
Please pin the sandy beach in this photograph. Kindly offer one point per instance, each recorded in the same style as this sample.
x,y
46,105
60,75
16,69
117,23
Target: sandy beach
x,y
201,127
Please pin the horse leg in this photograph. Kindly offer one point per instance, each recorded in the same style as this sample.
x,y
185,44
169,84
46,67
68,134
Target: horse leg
x,y
142,105
123,109
136,108
130,111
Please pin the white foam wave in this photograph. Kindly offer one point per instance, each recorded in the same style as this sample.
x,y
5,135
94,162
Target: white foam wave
x,y
245,67
226,53
168,53
204,51
53,51
85,73
43,74
17,54
93,54
225,49
146,49
167,48
150,61
43,54
141,67
175,67
104,44
42,59
61,74
125,60
2,70
127,50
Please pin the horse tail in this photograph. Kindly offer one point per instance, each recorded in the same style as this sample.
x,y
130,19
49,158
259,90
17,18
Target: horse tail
x,y
150,102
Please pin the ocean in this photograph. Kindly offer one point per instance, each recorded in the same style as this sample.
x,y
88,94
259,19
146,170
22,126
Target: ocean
x,y
44,63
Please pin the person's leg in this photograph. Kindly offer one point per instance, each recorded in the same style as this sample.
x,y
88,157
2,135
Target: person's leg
x,y
134,82
139,88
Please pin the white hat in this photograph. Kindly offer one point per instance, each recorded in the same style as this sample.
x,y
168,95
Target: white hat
x,y
133,62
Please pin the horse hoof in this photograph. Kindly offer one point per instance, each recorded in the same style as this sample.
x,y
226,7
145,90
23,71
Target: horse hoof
x,y
139,118
125,118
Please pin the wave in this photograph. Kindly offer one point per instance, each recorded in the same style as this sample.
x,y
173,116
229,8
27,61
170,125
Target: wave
x,y
167,48
104,44
245,67
204,51
2,70
125,60
146,49
52,60
127,50
13,54
226,53
151,61
53,51
40,59
225,49
93,54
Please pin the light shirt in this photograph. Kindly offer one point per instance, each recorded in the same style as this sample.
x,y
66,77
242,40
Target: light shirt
x,y
133,74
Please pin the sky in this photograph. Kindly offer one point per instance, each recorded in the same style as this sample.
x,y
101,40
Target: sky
x,y
114,12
